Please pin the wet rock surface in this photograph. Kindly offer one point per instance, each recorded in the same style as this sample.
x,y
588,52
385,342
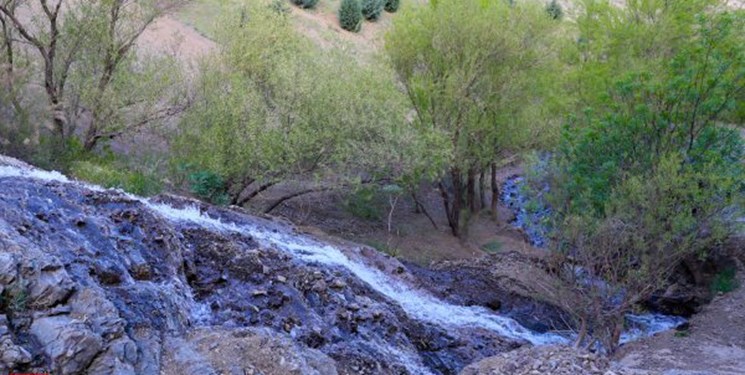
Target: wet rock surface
x,y
506,283
96,282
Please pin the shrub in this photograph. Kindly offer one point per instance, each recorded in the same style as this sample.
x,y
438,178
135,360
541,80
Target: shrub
x,y
725,281
305,4
350,15
371,9
554,10
365,203
392,6
209,186
110,175
279,6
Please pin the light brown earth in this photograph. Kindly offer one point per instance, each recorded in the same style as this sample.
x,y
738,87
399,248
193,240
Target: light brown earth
x,y
714,344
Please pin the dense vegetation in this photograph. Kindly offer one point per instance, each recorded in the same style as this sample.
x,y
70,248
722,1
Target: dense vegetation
x,y
635,111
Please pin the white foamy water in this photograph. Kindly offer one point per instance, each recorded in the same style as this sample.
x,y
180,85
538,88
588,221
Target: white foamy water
x,y
416,303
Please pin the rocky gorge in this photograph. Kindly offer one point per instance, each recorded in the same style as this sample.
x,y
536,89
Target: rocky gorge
x,y
102,282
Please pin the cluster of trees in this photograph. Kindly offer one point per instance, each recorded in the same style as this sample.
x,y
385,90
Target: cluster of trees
x,y
649,169
352,12
638,106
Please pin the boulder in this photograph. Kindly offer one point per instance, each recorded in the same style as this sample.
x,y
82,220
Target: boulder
x,y
68,343
48,282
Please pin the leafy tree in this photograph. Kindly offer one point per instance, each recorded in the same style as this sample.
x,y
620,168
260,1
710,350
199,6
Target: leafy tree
x,y
82,54
392,6
650,176
372,9
350,15
477,75
269,110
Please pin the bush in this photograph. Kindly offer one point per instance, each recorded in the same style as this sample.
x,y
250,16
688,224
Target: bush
x,y
209,186
392,6
554,10
305,4
725,281
114,176
350,15
365,203
371,9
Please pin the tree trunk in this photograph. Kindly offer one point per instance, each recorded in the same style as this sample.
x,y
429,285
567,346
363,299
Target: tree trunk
x,y
471,190
482,192
494,192
453,206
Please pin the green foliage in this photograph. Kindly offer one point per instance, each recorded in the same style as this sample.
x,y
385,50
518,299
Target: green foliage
x,y
209,186
268,108
280,7
482,78
492,247
350,15
305,4
649,174
372,9
392,6
554,10
111,175
365,202
725,281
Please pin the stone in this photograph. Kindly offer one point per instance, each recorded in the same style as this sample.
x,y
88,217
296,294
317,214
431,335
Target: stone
x,y
49,283
8,269
68,343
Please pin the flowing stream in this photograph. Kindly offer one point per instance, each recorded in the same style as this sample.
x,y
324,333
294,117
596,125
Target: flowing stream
x,y
531,215
416,303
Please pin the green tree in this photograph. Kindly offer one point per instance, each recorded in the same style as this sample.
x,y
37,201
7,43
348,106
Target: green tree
x,y
651,175
372,9
82,54
350,15
392,6
269,110
477,74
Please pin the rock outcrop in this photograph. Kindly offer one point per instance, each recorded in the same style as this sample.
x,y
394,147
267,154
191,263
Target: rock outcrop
x,y
97,281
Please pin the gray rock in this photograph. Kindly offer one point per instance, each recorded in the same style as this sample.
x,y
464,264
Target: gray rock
x,y
119,359
8,269
92,306
49,283
68,343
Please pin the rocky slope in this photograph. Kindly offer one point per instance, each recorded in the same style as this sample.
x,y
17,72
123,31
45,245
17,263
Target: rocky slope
x,y
98,281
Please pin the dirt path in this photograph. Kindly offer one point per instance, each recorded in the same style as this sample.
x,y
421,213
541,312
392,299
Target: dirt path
x,y
714,344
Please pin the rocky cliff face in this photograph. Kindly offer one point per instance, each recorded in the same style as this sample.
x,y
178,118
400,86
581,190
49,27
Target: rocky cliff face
x,y
97,281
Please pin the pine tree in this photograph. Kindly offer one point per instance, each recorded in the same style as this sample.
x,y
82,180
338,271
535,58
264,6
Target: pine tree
x,y
371,9
350,15
392,6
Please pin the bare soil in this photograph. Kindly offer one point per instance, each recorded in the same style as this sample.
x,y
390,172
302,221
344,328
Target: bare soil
x,y
714,343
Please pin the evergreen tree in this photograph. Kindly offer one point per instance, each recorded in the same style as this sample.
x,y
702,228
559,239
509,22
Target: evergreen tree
x,y
350,15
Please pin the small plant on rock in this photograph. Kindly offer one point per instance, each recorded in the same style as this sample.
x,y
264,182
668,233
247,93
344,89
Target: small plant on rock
x,y
350,15
305,4
372,9
392,6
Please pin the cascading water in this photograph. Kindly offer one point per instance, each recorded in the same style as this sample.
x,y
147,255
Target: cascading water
x,y
530,216
417,304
